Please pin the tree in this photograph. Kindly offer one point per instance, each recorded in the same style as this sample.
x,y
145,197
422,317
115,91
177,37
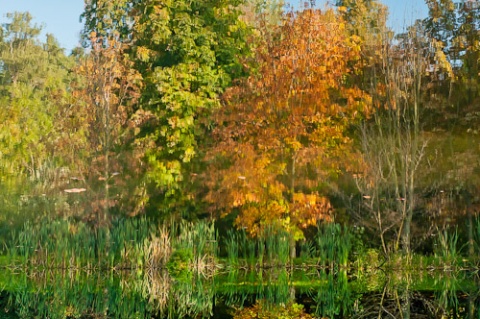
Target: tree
x,y
34,79
105,96
366,21
454,29
111,93
187,53
281,132
393,144
29,76
33,83
367,18
108,19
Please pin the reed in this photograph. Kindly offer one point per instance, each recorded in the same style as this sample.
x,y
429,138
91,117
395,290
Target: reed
x,y
273,285
284,247
198,240
241,250
334,298
251,251
139,243
106,295
126,244
447,296
334,245
308,251
155,287
66,244
159,249
446,248
232,248
476,236
242,238
270,249
261,248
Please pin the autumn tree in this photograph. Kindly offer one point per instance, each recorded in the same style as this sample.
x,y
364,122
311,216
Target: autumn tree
x,y
281,132
366,21
366,18
97,125
105,96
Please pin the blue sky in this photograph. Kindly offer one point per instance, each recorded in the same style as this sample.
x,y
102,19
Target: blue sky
x,y
61,17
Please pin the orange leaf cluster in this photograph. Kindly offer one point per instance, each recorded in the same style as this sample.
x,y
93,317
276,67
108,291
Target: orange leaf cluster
x,y
282,130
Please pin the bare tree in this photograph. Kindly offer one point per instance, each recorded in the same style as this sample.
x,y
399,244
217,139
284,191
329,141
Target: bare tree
x,y
392,142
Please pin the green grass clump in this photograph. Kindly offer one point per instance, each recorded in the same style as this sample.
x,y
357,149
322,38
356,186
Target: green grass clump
x,y
135,243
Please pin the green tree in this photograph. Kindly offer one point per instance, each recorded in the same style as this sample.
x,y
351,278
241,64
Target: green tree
x,y
108,19
186,53
33,83
34,80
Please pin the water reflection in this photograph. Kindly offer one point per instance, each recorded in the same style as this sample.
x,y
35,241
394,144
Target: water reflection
x,y
306,293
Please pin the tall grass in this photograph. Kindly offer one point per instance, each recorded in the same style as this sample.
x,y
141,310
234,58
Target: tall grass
x,y
198,240
331,246
159,249
334,298
446,249
476,236
270,249
334,245
308,251
232,248
142,244
127,244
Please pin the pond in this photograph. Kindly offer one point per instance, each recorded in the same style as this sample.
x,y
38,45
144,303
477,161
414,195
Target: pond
x,y
261,293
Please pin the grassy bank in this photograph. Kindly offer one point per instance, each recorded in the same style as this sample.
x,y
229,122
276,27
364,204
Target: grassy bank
x,y
183,248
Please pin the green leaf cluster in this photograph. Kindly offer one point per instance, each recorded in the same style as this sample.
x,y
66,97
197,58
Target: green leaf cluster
x,y
188,53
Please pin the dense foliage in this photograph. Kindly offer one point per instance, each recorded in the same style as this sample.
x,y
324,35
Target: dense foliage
x,y
246,113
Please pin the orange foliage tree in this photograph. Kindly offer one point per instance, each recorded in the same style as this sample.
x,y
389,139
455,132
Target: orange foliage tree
x,y
282,131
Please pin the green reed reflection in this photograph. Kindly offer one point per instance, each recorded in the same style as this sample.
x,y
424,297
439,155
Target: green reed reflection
x,y
305,293
107,295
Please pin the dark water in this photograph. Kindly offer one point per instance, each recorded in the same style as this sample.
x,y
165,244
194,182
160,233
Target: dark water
x,y
272,293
